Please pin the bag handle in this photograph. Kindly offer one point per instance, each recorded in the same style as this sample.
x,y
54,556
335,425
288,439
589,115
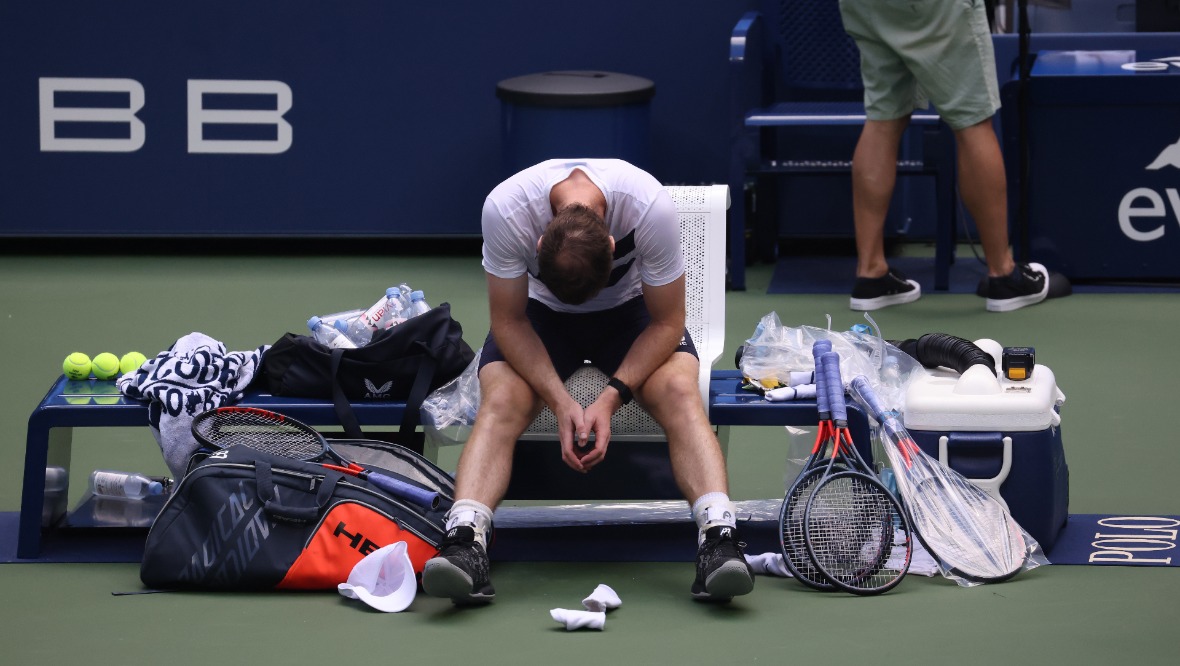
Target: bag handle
x,y
344,412
263,475
407,432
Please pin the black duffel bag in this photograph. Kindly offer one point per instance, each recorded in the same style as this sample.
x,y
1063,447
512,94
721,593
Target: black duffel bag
x,y
403,363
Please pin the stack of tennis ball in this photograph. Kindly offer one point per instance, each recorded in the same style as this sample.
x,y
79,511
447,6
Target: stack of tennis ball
x,y
103,366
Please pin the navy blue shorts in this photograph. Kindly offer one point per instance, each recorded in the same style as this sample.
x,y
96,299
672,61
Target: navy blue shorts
x,y
602,338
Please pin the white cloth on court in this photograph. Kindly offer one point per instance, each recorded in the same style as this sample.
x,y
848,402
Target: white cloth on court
x,y
603,598
194,375
576,619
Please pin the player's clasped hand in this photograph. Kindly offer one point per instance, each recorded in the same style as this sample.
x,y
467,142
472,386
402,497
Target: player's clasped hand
x,y
584,438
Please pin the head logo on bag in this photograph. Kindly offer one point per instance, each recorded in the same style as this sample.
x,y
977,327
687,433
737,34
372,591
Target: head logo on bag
x,y
378,392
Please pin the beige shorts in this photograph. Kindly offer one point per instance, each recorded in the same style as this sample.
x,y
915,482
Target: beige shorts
x,y
917,51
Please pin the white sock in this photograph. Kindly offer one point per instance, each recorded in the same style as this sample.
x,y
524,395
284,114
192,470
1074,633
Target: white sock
x,y
474,514
713,509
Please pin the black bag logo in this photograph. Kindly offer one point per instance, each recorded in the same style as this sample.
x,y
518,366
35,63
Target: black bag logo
x,y
375,392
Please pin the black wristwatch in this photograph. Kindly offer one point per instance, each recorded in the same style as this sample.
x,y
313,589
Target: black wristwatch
x,y
624,390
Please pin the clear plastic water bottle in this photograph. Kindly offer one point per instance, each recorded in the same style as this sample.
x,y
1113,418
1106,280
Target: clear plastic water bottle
x,y
328,335
109,483
379,311
418,304
356,330
395,312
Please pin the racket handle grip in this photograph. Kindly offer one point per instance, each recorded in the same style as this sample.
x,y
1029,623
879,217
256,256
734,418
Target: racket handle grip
x,y
835,387
884,416
867,395
427,499
818,349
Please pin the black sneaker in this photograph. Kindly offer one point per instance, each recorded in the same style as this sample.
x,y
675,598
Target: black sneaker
x,y
893,288
1028,284
722,570
460,571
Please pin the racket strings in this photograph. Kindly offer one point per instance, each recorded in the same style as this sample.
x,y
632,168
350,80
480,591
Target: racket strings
x,y
854,531
963,526
260,433
794,534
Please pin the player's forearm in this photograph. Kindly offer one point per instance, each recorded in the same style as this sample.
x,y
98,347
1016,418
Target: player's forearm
x,y
523,350
651,349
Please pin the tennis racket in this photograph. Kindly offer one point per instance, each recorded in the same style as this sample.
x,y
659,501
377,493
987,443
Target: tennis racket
x,y
792,540
276,434
856,531
971,534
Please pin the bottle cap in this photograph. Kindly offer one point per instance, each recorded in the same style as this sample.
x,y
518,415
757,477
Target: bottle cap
x,y
313,323
155,488
341,325
417,295
392,291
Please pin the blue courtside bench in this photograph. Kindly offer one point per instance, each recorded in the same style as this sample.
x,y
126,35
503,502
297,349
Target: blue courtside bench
x,y
95,404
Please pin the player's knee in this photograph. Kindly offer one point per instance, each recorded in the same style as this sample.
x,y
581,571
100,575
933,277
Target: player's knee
x,y
677,391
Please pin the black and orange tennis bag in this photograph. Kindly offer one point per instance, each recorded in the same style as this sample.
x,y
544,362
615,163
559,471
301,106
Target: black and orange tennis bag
x,y
246,520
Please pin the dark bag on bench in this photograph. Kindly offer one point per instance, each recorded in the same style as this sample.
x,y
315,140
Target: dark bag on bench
x,y
403,363
245,520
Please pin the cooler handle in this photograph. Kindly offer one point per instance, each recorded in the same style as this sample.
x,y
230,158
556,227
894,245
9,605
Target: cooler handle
x,y
990,486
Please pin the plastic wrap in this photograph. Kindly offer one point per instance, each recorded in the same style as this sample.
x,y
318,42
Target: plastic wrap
x,y
448,413
775,351
971,536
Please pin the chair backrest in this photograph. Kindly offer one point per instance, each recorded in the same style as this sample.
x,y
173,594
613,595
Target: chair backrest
x,y
702,237
814,50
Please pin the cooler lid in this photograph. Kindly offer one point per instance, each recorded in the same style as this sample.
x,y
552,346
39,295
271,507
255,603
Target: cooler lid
x,y
979,401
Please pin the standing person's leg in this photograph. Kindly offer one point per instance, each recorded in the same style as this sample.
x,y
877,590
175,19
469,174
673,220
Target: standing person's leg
x,y
984,189
891,95
874,173
953,59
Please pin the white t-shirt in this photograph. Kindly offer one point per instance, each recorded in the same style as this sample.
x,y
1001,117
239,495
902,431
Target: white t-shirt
x,y
639,212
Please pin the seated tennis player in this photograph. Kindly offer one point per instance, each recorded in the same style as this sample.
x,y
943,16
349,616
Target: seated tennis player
x,y
583,263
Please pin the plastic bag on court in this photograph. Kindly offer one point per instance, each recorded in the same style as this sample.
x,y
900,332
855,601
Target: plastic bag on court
x,y
774,351
448,413
799,444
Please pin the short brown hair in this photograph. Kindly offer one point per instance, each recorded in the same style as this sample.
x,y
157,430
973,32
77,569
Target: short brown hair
x,y
575,255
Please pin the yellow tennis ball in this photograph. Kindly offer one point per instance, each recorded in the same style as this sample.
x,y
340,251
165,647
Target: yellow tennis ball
x,y
76,366
131,362
105,365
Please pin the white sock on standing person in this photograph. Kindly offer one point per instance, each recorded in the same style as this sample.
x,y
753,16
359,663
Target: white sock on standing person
x,y
711,510
474,514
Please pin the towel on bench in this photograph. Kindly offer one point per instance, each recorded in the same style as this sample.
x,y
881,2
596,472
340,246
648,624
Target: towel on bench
x,y
194,375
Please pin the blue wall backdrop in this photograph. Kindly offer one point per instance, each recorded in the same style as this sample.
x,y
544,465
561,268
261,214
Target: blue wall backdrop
x,y
393,119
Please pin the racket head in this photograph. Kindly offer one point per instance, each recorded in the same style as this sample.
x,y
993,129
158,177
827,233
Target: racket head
x,y
791,532
260,430
966,529
857,533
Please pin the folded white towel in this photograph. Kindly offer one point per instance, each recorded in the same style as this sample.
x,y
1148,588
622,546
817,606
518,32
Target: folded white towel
x,y
576,619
